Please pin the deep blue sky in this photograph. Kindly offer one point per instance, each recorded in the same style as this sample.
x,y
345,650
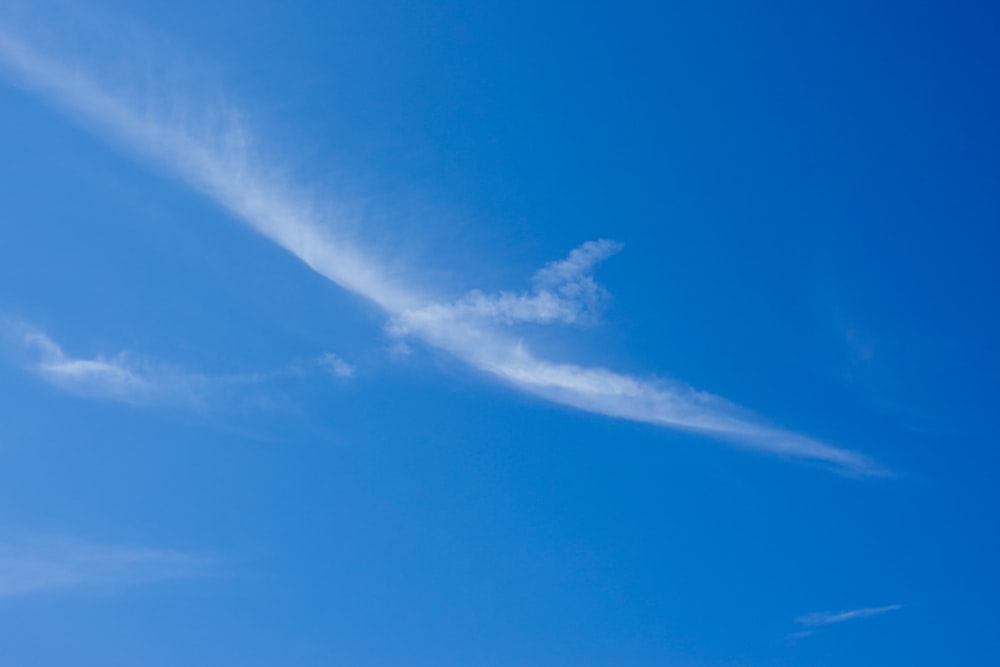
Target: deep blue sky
x,y
212,454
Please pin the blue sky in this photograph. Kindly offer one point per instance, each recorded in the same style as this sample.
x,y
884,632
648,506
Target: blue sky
x,y
498,334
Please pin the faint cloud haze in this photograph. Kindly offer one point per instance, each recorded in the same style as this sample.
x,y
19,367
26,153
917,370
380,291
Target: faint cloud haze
x,y
56,565
335,366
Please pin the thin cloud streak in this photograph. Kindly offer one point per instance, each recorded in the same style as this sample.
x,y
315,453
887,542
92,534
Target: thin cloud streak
x,y
128,378
821,618
59,565
219,160
121,377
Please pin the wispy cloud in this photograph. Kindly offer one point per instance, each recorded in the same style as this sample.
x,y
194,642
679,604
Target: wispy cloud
x,y
811,622
122,376
563,292
214,152
129,378
334,365
821,618
55,565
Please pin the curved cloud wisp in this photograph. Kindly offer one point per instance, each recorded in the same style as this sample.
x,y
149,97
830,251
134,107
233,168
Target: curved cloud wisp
x,y
217,158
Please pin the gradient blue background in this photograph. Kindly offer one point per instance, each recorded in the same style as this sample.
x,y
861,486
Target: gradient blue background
x,y
808,201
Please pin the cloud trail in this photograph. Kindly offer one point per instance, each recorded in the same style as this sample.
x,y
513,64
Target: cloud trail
x,y
215,154
46,566
121,377
129,378
821,618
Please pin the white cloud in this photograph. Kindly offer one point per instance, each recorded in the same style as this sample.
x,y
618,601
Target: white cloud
x,y
563,292
120,377
53,565
336,366
214,152
132,379
821,618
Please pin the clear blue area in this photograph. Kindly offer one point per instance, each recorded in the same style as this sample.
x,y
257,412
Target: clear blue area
x,y
807,196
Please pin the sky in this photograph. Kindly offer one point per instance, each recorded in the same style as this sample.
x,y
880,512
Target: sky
x,y
445,333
